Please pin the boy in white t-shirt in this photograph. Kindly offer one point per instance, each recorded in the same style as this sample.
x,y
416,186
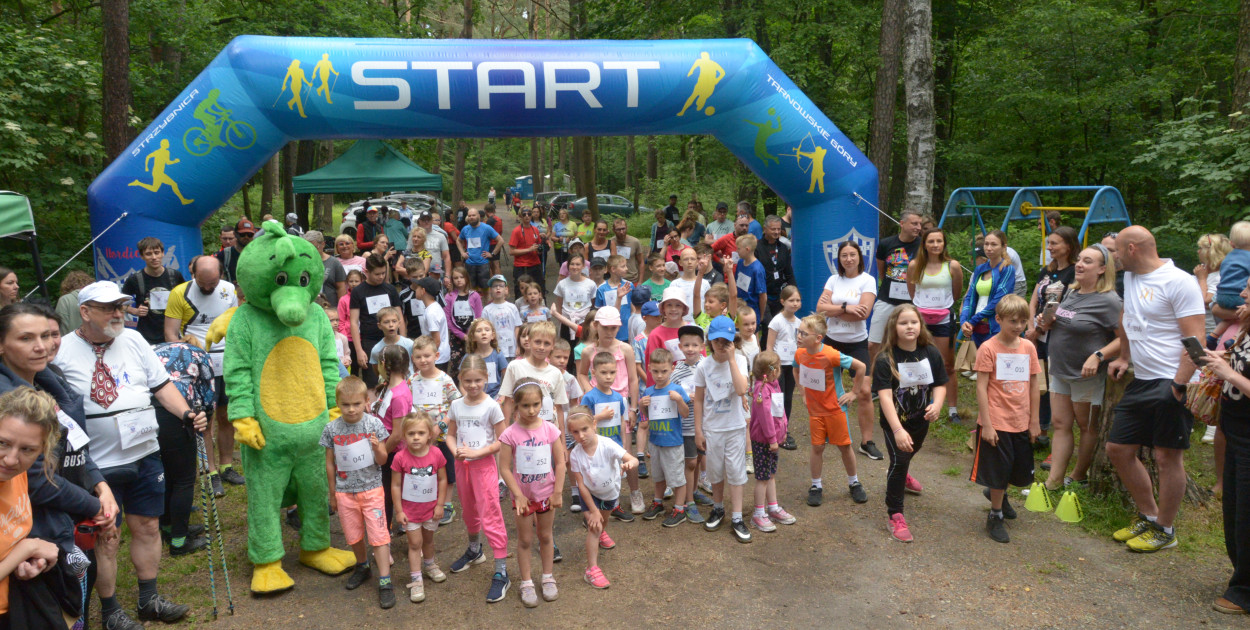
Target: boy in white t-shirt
x,y
427,290
719,423
504,315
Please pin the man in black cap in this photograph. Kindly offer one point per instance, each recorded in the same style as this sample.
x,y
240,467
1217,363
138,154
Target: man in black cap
x,y
720,225
671,212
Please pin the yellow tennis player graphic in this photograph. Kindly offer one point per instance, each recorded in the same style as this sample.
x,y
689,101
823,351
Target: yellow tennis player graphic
x,y
763,131
322,71
710,73
295,77
160,158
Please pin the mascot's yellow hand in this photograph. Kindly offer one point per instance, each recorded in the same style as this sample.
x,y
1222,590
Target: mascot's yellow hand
x,y
334,413
217,331
247,431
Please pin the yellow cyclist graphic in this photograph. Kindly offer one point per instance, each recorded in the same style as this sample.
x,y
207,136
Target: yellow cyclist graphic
x,y
322,71
295,77
710,73
200,141
160,158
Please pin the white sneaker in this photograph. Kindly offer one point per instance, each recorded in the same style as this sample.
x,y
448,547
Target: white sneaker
x,y
704,485
575,505
668,492
1209,436
636,503
972,377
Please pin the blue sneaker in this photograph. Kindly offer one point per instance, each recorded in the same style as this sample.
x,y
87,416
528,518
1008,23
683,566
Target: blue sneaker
x,y
702,499
449,514
469,558
642,469
499,584
692,513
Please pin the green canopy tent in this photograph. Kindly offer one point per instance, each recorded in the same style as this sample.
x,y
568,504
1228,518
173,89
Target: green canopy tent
x,y
370,165
18,221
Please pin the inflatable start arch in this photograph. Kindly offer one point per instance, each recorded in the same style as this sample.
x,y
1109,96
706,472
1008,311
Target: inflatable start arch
x,y
262,92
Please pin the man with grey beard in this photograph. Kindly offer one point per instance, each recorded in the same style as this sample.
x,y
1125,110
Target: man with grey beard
x,y
117,373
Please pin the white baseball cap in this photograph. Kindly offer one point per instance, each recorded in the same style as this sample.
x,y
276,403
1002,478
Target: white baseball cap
x,y
103,292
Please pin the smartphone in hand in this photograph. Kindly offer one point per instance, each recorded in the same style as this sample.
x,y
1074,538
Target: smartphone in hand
x,y
1194,347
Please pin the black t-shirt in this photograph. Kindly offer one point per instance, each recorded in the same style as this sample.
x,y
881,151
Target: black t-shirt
x,y
360,299
152,325
910,401
672,213
1234,403
229,258
896,255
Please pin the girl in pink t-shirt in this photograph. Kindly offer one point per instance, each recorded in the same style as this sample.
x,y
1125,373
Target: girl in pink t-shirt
x,y
419,487
392,400
533,466
768,431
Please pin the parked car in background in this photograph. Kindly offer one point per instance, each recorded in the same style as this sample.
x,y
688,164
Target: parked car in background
x,y
610,204
417,203
558,202
543,200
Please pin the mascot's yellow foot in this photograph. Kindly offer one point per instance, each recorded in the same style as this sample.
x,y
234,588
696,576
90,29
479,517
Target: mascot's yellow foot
x,y
270,578
329,561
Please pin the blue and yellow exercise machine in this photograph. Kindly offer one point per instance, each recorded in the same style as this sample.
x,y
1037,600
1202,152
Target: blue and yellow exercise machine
x,y
1106,206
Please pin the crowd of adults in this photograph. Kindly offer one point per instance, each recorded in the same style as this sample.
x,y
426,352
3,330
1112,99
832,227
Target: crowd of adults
x,y
98,419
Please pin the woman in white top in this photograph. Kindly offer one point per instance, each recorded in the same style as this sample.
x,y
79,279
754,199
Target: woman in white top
x,y
935,281
846,304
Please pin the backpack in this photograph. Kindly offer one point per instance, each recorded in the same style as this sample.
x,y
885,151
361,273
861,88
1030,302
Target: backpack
x,y
142,280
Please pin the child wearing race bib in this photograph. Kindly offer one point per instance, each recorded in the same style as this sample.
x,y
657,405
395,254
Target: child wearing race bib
x,y
392,401
666,404
750,277
610,416
691,346
719,299
342,347
433,392
474,425
783,339
768,431
558,359
596,466
720,382
909,378
480,341
534,366
624,382
419,487
503,315
747,347
650,315
574,297
356,446
463,305
388,321
533,466
354,278
1008,393
819,366
534,310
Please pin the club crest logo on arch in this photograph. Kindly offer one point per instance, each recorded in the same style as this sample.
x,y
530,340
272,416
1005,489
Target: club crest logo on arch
x,y
261,93
867,248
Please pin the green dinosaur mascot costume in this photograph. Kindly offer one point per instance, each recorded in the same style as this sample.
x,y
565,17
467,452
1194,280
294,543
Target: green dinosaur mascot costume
x,y
281,369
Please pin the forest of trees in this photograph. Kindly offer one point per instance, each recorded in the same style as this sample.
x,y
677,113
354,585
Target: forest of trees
x,y
1144,95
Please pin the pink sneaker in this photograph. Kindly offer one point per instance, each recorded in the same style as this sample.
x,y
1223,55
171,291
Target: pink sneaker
x,y
763,523
594,577
910,485
605,541
898,528
779,515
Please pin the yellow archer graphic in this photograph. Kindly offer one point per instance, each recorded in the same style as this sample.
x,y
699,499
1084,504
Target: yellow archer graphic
x,y
160,158
816,162
323,70
295,76
710,73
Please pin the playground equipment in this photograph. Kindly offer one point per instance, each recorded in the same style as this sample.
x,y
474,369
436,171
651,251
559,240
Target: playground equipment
x,y
1106,206
286,89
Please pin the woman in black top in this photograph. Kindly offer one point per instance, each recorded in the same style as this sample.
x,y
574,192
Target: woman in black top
x,y
1052,286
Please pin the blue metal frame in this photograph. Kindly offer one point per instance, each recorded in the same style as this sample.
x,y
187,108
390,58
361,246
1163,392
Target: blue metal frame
x,y
1107,206
963,205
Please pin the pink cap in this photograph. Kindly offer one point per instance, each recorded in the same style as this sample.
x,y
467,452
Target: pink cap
x,y
608,316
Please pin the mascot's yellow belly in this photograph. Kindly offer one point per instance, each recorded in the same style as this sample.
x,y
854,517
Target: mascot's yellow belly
x,y
291,391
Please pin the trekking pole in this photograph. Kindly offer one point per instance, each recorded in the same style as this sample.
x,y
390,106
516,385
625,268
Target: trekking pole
x,y
214,533
205,491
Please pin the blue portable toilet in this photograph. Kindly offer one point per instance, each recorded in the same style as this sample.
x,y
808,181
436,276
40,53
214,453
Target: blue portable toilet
x,y
525,184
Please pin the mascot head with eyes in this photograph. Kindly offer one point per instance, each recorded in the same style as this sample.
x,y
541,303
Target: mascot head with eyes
x,y
281,369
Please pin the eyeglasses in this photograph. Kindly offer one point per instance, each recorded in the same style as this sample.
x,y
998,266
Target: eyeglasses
x,y
108,308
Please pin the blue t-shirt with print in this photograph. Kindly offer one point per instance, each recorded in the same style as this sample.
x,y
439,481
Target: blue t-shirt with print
x,y
665,431
759,284
481,235
593,398
601,300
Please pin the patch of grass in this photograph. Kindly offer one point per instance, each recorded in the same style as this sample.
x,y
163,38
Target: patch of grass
x,y
953,471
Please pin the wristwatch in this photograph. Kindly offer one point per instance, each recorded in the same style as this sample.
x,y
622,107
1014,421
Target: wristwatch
x,y
1180,387
1098,353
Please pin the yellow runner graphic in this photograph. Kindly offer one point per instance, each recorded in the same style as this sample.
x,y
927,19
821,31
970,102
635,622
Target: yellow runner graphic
x,y
160,158
710,73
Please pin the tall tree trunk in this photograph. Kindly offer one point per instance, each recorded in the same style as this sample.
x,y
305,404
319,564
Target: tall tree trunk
x,y
881,132
918,81
1241,67
116,97
324,203
630,163
288,172
305,162
653,159
438,158
535,173
543,166
268,184
563,156
584,155
943,94
477,176
457,185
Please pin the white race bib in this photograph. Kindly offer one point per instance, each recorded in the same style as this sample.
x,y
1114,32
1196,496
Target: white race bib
x,y
934,299
507,342
662,407
812,378
354,456
462,308
744,282
74,434
1134,327
604,253
536,316
492,373
427,393
915,373
609,297
420,488
674,346
898,291
785,349
548,410
475,242
1012,367
777,405
533,460
158,299
615,420
418,308
471,435
734,256
375,303
837,324
623,251
137,426
720,385
602,480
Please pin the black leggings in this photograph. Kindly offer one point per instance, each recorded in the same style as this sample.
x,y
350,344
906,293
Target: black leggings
x,y
900,461
179,456
787,386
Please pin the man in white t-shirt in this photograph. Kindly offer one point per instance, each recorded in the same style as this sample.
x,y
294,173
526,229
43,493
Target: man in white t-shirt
x,y
1162,305
436,244
117,374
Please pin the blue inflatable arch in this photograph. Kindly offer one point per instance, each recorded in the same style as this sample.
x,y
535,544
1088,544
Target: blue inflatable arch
x,y
262,92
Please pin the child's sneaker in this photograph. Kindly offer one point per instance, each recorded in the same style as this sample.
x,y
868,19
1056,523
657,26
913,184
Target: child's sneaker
x,y
702,499
499,584
704,484
656,510
898,528
636,503
449,514
675,518
605,541
550,592
1209,436
416,592
575,505
714,519
692,513
621,515
386,597
763,523
780,515
740,531
668,492
815,496
750,464
556,556
911,486
857,492
503,490
358,576
467,559
529,596
995,528
434,573
642,468
594,577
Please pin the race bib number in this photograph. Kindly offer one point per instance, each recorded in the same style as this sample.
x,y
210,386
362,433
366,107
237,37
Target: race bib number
x,y
354,456
218,360
624,252
536,316
533,460
417,307
720,386
777,405
837,324
812,378
475,242
609,297
427,394
158,299
548,410
376,303
602,480
1134,327
420,488
785,349
507,342
932,299
615,420
898,291
462,309
137,427
674,346
744,282
662,407
74,434
492,373
915,373
472,434
602,254
1012,367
